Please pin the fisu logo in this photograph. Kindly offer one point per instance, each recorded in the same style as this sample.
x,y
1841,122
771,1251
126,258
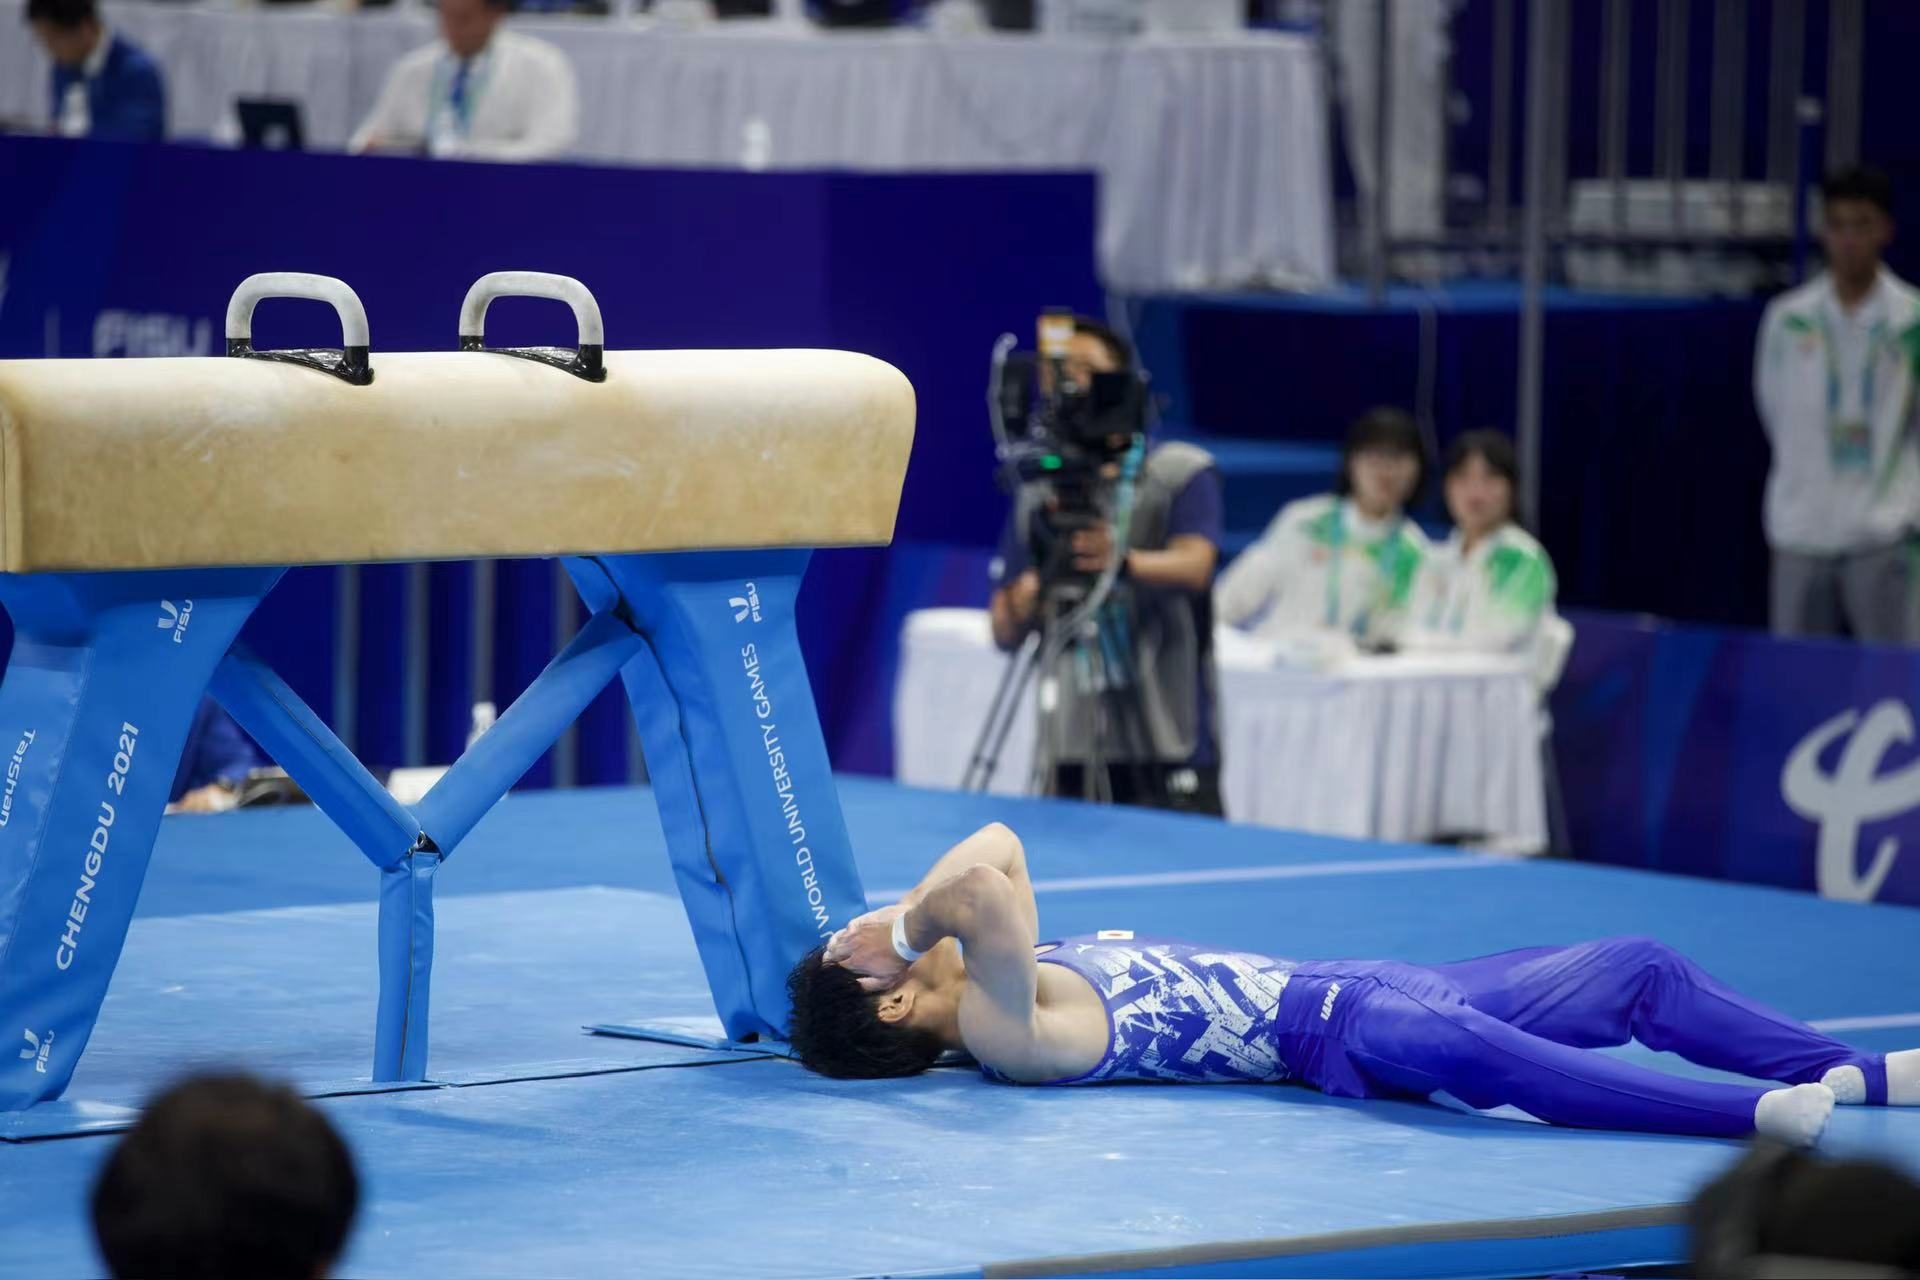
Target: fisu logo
x,y
174,618
37,1050
748,604
1856,792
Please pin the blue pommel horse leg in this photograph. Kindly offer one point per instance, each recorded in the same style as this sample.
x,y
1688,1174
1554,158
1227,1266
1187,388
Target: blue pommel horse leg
x,y
615,461
106,671
739,766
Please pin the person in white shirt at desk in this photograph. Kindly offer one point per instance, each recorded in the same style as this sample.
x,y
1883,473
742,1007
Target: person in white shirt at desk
x,y
1339,567
1490,585
1834,380
478,93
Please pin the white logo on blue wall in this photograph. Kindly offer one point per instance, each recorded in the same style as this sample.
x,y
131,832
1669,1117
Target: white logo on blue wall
x,y
746,605
1855,793
140,333
38,1047
174,618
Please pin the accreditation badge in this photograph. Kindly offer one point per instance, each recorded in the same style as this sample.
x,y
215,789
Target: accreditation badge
x,y
1850,447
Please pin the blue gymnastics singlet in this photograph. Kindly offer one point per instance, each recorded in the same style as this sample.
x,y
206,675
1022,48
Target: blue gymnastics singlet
x,y
1177,1012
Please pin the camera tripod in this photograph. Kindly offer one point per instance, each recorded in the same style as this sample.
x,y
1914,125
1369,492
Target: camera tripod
x,y
1082,655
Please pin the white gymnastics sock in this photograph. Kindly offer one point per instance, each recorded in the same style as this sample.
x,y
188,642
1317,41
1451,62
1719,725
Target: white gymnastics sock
x,y
1795,1116
1903,1078
1849,1085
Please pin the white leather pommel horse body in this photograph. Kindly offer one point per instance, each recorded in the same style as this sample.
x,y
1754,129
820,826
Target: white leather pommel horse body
x,y
146,507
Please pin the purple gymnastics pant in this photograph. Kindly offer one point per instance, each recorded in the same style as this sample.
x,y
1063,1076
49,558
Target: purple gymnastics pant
x,y
1517,1028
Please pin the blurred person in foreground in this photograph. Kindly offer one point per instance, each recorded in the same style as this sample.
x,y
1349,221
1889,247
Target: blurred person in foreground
x,y
1162,750
104,85
226,1178
1340,565
1781,1214
477,93
1490,585
1833,378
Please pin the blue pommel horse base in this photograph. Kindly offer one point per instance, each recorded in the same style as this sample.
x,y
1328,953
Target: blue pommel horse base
x,y
147,506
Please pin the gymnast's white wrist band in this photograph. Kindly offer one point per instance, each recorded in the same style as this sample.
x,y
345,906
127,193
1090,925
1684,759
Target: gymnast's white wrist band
x,y
901,947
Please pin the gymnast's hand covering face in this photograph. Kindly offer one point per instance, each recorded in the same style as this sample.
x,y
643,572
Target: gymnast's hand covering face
x,y
865,947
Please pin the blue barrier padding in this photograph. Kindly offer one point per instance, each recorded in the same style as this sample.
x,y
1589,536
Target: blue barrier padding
x,y
276,717
106,672
1741,756
706,645
497,760
379,826
746,792
406,967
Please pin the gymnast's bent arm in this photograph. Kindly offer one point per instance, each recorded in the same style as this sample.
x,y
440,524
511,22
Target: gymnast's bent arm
x,y
994,845
977,893
993,920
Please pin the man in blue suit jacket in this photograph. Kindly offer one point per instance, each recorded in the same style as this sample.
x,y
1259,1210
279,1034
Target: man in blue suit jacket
x,y
104,86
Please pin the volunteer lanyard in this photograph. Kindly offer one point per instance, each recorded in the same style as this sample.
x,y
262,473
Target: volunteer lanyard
x,y
1868,388
457,91
1461,587
1336,558
1336,555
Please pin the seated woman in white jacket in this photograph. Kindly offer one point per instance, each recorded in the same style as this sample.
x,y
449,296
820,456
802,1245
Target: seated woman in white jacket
x,y
1490,586
1341,565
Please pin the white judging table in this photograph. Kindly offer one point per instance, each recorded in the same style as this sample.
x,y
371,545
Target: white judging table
x,y
1212,151
1405,747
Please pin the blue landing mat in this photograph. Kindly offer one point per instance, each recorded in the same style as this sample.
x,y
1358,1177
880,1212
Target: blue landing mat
x,y
761,1169
756,1168
290,991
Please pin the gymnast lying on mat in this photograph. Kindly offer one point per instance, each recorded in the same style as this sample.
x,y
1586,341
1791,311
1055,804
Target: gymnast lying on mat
x,y
954,965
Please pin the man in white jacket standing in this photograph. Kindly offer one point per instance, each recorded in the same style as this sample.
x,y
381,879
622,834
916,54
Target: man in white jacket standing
x,y
478,93
1834,380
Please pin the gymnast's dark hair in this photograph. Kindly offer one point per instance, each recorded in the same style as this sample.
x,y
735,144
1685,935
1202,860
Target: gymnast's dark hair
x,y
1495,449
1383,427
226,1177
836,1027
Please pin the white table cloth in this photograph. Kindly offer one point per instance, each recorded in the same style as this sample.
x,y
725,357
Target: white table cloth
x,y
1212,151
1405,747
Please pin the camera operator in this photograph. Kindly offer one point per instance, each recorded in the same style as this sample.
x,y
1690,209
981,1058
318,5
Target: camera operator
x,y
1154,742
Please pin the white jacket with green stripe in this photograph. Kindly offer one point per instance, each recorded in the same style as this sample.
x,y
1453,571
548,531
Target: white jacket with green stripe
x,y
1322,566
1816,368
1488,600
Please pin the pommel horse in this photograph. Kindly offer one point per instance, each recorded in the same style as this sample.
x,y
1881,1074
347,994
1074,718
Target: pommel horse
x,y
147,506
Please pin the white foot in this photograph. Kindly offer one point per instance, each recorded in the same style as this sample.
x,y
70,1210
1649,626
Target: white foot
x,y
1903,1078
1795,1116
1849,1085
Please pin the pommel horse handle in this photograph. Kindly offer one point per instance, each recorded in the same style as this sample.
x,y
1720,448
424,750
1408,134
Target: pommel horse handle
x,y
586,361
349,364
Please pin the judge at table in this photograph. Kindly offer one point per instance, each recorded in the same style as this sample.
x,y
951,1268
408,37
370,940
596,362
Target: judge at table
x,y
1488,588
104,85
1341,566
478,93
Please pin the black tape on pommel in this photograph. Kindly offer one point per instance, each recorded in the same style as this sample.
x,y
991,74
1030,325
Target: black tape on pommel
x,y
349,364
586,362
